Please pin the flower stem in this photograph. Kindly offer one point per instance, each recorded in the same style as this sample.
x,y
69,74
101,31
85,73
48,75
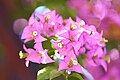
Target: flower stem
x,y
66,77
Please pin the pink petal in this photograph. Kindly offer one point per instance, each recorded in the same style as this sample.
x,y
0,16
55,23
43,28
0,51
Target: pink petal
x,y
76,68
62,66
103,64
26,33
99,52
46,58
38,46
31,20
34,57
39,38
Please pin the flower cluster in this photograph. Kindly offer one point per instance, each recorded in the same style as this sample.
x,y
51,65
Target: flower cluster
x,y
62,41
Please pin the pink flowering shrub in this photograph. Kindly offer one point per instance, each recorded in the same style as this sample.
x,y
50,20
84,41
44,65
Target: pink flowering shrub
x,y
105,14
113,70
64,46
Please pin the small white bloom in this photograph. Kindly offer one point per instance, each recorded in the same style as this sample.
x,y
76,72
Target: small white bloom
x,y
82,23
57,57
53,23
68,72
27,63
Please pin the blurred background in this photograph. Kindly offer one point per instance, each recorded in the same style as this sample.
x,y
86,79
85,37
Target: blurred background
x,y
14,14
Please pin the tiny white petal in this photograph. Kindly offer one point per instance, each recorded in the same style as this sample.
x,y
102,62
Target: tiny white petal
x,y
27,63
53,23
68,72
82,23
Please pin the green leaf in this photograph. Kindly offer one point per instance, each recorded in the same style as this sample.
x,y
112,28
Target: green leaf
x,y
51,52
76,75
48,72
47,44
84,56
43,74
54,73
30,44
52,37
81,58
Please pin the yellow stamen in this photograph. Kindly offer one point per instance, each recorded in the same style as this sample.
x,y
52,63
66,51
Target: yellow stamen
x,y
75,62
60,45
21,55
48,16
74,26
35,33
58,40
107,58
103,40
72,63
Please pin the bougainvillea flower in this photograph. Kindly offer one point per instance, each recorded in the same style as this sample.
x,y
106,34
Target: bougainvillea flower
x,y
70,63
61,46
92,39
38,46
57,57
68,42
53,25
70,36
51,22
32,33
70,24
95,57
112,73
37,56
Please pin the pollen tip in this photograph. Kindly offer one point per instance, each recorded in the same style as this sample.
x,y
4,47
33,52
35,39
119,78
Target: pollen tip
x,y
35,33
21,54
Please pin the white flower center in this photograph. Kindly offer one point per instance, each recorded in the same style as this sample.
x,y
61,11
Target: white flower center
x,y
35,33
